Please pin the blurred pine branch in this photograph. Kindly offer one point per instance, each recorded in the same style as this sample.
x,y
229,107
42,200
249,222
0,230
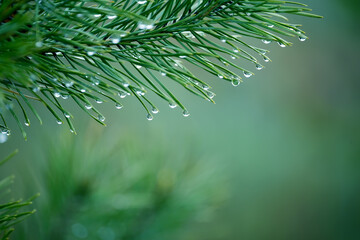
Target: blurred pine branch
x,y
101,50
12,211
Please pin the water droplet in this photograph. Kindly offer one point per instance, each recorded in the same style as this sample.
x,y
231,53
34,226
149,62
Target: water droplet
x,y
27,123
57,94
88,106
281,44
145,26
141,1
111,17
236,50
69,84
172,105
90,53
182,56
221,76
270,26
99,101
79,15
205,87
302,38
3,137
149,117
266,59
101,118
59,122
126,84
122,94
223,40
259,66
39,44
140,93
67,115
97,15
82,90
154,110
138,66
65,96
163,74
186,113
211,95
247,74
118,106
233,57
115,40
235,82
36,89
266,41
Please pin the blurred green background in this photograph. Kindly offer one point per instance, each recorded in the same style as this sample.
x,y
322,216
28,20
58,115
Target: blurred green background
x,y
287,140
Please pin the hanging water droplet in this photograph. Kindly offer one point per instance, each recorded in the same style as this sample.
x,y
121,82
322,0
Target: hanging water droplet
x,y
122,94
3,137
211,95
141,1
65,96
115,40
302,38
259,66
149,117
67,115
27,123
111,17
140,93
82,90
172,105
97,15
270,26
281,44
69,84
266,41
138,66
235,82
90,53
182,56
118,106
233,57
72,131
154,110
266,59
101,118
99,101
236,50
163,74
126,84
247,74
223,40
205,87
186,113
57,94
59,122
39,44
88,106
221,76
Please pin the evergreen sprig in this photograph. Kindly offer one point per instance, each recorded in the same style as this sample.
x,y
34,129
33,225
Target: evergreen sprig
x,y
95,51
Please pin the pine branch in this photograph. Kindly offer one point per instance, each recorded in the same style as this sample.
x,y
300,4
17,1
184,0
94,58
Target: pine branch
x,y
95,51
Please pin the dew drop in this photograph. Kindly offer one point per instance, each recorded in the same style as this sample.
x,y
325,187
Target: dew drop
x,y
233,57
99,101
270,26
67,115
266,59
186,113
111,17
90,53
59,122
235,82
39,44
149,117
57,94
140,93
3,137
69,84
266,41
182,56
154,110
172,105
82,90
163,74
211,95
126,84
138,66
122,94
97,15
88,106
118,106
236,50
65,96
220,76
223,40
247,74
101,118
302,38
27,123
115,40
281,44
259,66
141,1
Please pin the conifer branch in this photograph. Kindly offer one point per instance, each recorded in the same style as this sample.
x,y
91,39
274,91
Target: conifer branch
x,y
95,51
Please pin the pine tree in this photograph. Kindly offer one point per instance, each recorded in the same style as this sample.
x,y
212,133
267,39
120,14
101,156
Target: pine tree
x,y
101,50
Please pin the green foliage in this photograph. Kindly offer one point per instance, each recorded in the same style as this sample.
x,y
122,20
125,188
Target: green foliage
x,y
102,50
11,212
95,189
